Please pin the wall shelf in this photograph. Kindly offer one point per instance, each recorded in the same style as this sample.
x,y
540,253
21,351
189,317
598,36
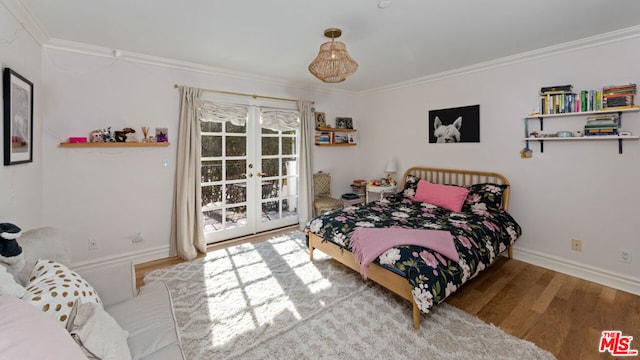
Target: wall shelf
x,y
113,144
348,136
541,118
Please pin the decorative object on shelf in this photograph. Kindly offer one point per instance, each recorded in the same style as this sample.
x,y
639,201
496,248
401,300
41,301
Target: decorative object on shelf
x,y
391,169
96,136
162,135
320,120
352,138
344,123
18,118
461,124
107,135
333,63
145,133
121,135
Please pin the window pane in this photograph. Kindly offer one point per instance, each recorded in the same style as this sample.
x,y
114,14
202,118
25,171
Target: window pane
x,y
212,220
270,189
268,131
234,129
211,171
235,217
270,167
288,146
270,146
236,146
236,193
289,167
236,169
211,146
208,126
270,211
211,197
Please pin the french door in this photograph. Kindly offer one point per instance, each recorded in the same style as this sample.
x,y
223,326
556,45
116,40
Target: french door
x,y
249,177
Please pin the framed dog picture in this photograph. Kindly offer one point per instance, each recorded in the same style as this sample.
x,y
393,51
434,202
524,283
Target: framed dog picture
x,y
455,125
18,118
344,123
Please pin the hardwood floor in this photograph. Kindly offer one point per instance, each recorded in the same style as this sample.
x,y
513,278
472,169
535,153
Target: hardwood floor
x,y
560,313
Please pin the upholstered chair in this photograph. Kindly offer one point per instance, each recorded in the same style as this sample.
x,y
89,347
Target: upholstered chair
x,y
323,202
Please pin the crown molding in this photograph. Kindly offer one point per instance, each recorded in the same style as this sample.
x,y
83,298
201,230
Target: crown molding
x,y
27,20
593,41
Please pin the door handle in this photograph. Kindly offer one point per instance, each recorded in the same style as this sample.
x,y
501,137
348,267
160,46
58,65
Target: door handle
x,y
260,174
244,175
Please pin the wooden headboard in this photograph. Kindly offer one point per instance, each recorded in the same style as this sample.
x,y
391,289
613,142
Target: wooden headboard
x,y
459,178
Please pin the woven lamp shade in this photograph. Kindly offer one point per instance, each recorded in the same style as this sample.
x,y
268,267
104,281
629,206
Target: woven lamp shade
x,y
333,63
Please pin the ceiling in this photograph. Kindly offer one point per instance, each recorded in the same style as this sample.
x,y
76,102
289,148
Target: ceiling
x,y
277,39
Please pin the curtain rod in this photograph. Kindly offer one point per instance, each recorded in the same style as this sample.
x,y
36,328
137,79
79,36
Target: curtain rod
x,y
242,94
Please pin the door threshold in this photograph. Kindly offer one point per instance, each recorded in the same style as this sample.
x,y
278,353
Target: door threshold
x,y
253,238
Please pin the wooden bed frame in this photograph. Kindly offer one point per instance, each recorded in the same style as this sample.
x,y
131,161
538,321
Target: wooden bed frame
x,y
386,278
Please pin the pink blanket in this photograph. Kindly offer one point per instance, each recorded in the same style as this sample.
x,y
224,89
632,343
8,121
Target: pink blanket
x,y
369,243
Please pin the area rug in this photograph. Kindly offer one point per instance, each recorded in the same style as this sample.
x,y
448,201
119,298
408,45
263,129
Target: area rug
x,y
269,301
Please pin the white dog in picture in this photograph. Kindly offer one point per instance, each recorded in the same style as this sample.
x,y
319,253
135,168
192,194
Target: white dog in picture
x,y
447,133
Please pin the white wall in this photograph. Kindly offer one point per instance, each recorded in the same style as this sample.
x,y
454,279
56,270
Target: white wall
x,y
111,194
582,190
21,185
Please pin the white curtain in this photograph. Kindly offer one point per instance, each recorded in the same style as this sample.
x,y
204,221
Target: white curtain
x,y
221,112
307,126
187,237
279,119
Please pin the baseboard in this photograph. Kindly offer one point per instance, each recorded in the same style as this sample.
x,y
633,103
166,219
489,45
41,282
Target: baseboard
x,y
601,276
134,258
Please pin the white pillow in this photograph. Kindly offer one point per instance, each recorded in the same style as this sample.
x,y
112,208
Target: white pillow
x,y
27,333
9,286
53,288
98,333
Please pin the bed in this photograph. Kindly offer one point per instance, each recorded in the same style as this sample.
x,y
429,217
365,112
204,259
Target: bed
x,y
481,230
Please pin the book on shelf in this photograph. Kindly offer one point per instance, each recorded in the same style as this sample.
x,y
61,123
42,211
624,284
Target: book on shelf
x,y
561,88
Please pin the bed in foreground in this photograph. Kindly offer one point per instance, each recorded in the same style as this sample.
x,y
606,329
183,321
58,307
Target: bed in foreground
x,y
472,212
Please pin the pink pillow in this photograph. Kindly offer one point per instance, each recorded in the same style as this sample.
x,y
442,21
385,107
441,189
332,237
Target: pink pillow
x,y
446,196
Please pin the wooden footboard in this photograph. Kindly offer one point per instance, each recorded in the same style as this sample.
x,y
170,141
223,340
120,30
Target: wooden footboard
x,y
380,275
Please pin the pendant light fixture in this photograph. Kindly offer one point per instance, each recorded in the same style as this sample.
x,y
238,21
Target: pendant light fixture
x,y
333,63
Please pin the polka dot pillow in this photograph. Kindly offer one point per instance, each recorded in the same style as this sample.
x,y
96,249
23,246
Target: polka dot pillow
x,y
53,288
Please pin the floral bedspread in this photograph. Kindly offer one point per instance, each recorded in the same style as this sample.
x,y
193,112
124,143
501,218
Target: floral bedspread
x,y
481,231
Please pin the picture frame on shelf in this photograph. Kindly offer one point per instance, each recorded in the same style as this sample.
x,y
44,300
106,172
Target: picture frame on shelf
x,y
321,121
18,118
351,138
344,123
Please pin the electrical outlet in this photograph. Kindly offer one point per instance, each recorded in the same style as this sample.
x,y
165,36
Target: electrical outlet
x,y
138,237
624,256
93,244
576,245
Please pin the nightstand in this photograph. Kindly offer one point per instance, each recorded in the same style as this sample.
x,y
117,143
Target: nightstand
x,y
381,190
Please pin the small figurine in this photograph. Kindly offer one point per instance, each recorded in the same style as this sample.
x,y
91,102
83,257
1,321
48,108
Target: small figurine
x,y
108,135
96,136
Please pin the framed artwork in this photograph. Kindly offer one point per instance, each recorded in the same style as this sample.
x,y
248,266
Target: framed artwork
x,y
18,118
162,135
344,123
455,125
321,122
351,138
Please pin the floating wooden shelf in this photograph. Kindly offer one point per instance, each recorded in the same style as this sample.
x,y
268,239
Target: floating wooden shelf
x,y
113,144
336,129
345,144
